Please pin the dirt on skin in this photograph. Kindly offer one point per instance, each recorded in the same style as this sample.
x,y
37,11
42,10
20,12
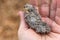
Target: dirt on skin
x,y
9,19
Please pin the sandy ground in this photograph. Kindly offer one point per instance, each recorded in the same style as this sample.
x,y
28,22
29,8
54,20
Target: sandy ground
x,y
9,19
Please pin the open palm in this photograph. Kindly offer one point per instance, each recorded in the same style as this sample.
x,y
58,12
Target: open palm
x,y
28,34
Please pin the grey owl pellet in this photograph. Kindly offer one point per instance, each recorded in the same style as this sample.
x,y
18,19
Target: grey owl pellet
x,y
33,18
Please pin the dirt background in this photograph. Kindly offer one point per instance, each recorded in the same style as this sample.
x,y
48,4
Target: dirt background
x,y
9,19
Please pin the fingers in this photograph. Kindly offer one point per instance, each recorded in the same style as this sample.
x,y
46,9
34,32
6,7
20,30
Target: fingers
x,y
53,9
58,3
44,8
58,12
55,27
23,25
58,8
57,20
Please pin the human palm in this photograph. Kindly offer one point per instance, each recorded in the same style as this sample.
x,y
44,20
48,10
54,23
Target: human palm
x,y
28,34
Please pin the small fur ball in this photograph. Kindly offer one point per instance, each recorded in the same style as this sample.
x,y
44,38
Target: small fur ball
x,y
33,18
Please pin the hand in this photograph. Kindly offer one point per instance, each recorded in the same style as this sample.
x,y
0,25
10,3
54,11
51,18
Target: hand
x,y
28,34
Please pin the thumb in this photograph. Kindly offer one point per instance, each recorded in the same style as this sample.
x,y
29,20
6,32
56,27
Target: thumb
x,y
23,25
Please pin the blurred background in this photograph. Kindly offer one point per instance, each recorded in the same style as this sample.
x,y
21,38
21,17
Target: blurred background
x,y
9,18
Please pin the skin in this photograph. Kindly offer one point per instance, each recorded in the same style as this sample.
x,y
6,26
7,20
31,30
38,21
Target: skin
x,y
28,34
